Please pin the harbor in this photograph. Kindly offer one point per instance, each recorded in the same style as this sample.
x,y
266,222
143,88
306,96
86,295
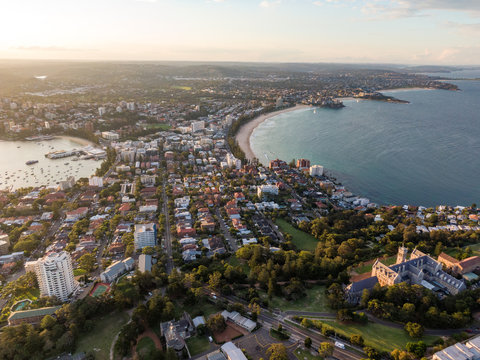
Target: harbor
x,y
85,153
33,168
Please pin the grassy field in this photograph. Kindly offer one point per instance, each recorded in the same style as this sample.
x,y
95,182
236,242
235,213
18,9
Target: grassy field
x,y
301,354
381,337
145,346
205,308
158,126
300,239
366,268
78,272
100,338
197,344
186,88
454,251
234,261
315,301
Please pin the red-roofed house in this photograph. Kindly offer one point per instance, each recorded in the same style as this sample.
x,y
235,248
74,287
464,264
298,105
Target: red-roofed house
x,y
76,214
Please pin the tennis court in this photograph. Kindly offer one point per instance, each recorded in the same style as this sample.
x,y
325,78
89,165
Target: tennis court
x,y
99,289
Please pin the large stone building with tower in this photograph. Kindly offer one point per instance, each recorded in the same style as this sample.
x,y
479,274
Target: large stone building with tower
x,y
419,269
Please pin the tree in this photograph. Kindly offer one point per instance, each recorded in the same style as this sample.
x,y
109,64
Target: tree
x,y
255,310
307,342
87,262
214,280
306,323
271,288
325,349
216,323
356,339
438,249
148,250
344,315
371,352
335,296
130,249
365,298
48,322
414,330
400,355
277,352
417,348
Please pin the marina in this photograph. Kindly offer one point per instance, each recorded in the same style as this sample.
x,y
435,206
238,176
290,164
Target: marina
x,y
30,168
87,152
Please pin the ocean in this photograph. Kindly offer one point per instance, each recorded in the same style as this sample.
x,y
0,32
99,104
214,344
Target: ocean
x,y
14,173
423,153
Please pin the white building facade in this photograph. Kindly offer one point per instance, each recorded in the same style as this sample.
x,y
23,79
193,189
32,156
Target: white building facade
x,y
54,274
197,126
145,235
95,181
316,170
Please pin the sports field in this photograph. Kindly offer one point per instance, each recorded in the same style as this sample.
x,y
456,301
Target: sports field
x,y
99,289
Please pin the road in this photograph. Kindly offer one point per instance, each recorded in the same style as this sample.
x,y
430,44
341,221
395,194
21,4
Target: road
x,y
297,333
109,171
226,232
300,334
168,236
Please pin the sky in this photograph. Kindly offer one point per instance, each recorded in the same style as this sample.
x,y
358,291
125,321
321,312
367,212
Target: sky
x,y
442,32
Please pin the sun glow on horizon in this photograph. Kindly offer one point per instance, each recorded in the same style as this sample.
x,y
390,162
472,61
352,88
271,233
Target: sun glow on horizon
x,y
234,30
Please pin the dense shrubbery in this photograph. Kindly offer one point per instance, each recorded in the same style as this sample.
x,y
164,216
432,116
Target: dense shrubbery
x,y
107,163
55,335
414,303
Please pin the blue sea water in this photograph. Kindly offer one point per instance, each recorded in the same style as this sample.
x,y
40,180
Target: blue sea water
x,y
460,74
423,153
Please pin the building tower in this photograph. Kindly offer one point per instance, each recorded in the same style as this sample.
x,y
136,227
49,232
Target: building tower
x,y
145,235
402,254
54,274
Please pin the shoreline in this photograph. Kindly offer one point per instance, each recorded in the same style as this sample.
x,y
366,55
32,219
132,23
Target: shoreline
x,y
245,132
80,141
405,89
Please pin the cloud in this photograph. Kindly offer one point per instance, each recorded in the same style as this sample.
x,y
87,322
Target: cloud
x,y
409,8
464,29
269,3
447,54
457,55
391,9
48,48
322,2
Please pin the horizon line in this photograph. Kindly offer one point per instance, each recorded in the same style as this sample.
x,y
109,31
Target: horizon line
x,y
326,62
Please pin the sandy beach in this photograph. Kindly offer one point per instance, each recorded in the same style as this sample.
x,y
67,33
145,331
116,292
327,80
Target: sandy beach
x,y
245,132
80,141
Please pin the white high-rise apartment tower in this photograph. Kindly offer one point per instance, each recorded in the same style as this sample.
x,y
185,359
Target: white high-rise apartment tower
x,y
316,170
54,274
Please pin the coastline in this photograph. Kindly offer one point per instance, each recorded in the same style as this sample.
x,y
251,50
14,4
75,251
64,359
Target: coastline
x,y
245,132
405,89
80,141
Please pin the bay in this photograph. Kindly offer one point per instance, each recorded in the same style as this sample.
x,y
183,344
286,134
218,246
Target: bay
x,y
14,173
422,153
